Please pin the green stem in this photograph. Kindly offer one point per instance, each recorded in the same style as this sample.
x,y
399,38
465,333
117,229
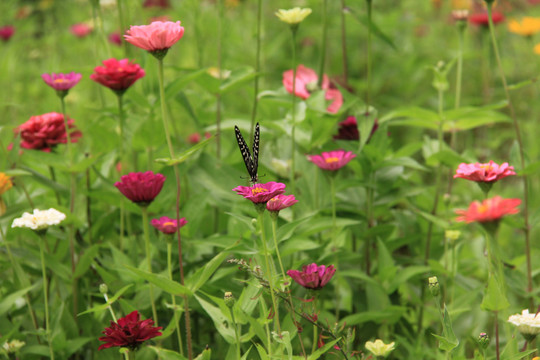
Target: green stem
x,y
219,61
323,44
521,158
146,230
110,307
264,312
120,6
333,195
344,44
130,355
293,115
45,293
257,69
236,335
368,62
176,318
459,72
120,100
274,234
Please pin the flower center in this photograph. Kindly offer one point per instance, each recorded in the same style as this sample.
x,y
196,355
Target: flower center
x,y
331,160
59,81
487,167
168,223
258,190
482,209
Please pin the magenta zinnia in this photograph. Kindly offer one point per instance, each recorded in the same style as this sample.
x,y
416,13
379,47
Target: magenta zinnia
x,y
333,160
489,172
141,187
313,276
61,82
260,193
129,332
489,210
167,225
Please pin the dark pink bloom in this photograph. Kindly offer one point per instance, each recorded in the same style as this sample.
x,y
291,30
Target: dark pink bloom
x,y
489,210
332,160
115,38
80,30
260,193
43,132
313,276
129,332
157,36
348,129
195,138
117,75
61,82
6,32
481,19
167,225
141,187
280,202
164,4
489,172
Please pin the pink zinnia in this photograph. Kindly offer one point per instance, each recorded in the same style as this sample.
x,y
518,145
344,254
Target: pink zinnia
x,y
482,19
80,30
335,96
129,332
61,82
43,132
280,202
260,193
6,32
156,37
117,75
489,210
313,276
489,172
141,187
167,225
333,160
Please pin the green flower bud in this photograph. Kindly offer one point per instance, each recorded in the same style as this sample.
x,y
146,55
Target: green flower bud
x,y
103,289
483,340
434,287
229,299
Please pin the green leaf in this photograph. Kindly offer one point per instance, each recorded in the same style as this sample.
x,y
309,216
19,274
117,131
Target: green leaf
x,y
178,84
86,260
202,275
390,314
317,354
186,154
237,77
449,341
164,354
386,268
205,355
285,339
170,286
221,322
364,20
110,302
262,352
495,297
8,301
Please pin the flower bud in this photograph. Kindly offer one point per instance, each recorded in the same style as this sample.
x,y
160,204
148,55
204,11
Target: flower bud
x,y
229,299
434,287
452,235
483,340
103,289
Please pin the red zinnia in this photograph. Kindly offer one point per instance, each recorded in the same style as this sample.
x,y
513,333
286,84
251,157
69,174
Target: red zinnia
x,y
313,276
260,193
129,332
333,160
117,75
489,210
43,132
167,225
6,32
141,187
482,19
489,172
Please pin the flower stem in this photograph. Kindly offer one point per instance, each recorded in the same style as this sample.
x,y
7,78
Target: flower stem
x,y
267,328
176,319
344,44
323,44
236,335
45,293
333,195
293,115
368,62
121,22
146,231
257,69
274,235
521,157
219,65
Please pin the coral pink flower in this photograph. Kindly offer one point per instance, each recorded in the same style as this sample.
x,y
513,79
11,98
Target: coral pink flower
x,y
117,75
481,19
61,82
313,276
43,132
81,30
280,202
141,187
333,160
489,172
260,193
6,32
115,38
195,138
337,100
156,37
167,225
129,332
164,4
489,210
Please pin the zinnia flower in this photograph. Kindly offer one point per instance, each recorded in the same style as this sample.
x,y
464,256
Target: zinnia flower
x,y
313,276
62,82
156,38
280,202
260,193
129,332
379,348
117,75
489,210
527,27
528,324
489,172
39,219
293,16
333,160
141,187
6,32
5,183
481,19
348,129
115,38
167,225
43,132
164,4
81,30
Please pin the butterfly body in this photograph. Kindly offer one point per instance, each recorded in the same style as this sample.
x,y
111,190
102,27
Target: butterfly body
x,y
251,161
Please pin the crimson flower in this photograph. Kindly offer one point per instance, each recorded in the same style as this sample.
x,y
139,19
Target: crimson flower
x,y
167,225
156,38
489,172
313,276
115,38
489,210
141,187
280,202
6,32
348,129
117,75
80,30
43,132
129,332
333,160
260,193
482,19
62,82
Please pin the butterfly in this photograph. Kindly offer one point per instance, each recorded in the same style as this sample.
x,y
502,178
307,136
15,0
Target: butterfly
x,y
252,162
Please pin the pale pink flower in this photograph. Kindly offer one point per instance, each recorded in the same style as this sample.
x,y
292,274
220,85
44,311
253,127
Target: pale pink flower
x,y
81,30
489,172
280,202
260,193
157,36
332,160
337,100
313,276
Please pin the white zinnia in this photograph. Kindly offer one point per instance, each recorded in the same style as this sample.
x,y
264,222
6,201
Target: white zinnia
x,y
39,220
379,348
293,16
527,324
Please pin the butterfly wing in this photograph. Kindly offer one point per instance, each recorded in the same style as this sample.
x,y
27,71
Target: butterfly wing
x,y
255,159
244,150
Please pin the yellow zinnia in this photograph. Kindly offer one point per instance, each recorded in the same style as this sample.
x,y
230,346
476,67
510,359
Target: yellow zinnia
x,y
527,27
5,183
293,16
379,348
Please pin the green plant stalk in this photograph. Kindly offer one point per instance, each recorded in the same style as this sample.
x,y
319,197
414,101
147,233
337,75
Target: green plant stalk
x,y
368,62
369,211
45,293
344,44
146,231
293,115
323,44
459,70
521,158
274,235
267,327
269,271
178,188
220,63
122,24
176,319
131,355
257,69
236,335
333,196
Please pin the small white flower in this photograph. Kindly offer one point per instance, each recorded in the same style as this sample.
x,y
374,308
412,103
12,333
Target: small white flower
x,y
527,324
13,346
39,220
378,348
293,16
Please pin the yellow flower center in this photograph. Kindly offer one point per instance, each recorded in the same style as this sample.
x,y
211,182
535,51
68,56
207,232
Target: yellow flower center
x,y
482,209
487,167
331,160
168,223
59,81
258,190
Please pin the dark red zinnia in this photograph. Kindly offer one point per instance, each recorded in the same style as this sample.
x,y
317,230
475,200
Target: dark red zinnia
x,y
117,75
141,187
129,332
43,132
482,19
6,32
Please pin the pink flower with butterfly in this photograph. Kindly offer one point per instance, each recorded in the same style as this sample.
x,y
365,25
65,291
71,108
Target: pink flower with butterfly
x,y
261,193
